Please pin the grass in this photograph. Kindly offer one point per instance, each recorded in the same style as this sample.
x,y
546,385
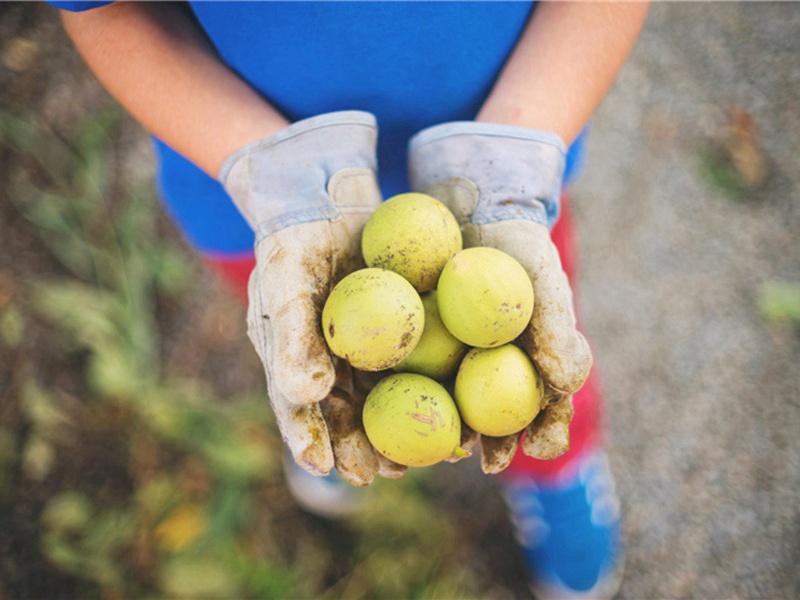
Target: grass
x,y
779,303
150,484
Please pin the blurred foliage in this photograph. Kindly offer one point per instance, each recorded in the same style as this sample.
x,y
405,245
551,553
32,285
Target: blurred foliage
x,y
779,303
736,165
718,170
412,555
190,501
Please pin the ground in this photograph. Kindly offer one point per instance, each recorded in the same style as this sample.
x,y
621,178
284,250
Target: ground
x,y
704,399
688,210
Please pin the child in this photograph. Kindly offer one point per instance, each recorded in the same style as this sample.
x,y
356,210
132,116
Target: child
x,y
273,108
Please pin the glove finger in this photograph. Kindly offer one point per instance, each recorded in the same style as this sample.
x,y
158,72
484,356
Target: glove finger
x,y
287,290
390,469
355,458
497,452
548,436
553,341
305,432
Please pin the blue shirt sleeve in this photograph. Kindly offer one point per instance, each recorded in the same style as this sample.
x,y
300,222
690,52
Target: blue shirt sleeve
x,y
400,60
79,5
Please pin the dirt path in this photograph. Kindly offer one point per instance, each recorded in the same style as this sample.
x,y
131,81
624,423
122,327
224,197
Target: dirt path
x,y
704,399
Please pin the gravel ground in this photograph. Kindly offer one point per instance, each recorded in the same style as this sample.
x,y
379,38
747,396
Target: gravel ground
x,y
703,397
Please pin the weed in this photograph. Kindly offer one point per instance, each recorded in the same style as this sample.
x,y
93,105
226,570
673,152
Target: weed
x,y
172,490
779,303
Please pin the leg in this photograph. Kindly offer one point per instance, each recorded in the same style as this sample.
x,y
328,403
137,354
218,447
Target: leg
x,y
585,429
566,511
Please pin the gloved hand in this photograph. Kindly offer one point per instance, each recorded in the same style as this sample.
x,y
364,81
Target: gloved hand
x,y
307,193
503,184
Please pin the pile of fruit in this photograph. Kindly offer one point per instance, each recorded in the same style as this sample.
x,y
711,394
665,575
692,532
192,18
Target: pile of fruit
x,y
443,321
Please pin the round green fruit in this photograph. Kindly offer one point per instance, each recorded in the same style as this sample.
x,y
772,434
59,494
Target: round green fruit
x,y
414,235
438,352
412,420
373,318
485,297
497,390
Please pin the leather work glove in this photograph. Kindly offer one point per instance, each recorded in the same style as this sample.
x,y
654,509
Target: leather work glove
x,y
503,184
307,192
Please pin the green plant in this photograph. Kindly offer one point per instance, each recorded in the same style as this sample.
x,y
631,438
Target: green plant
x,y
102,311
405,547
779,303
156,485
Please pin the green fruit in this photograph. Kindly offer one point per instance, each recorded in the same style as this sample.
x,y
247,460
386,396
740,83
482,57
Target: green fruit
x,y
412,420
485,297
438,352
498,391
413,235
373,318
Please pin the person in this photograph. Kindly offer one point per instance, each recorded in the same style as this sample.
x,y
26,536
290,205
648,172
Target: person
x,y
279,126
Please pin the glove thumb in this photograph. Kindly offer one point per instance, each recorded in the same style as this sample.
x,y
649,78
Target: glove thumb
x,y
286,292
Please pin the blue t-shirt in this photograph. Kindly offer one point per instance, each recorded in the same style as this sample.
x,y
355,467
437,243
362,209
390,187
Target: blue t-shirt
x,y
412,64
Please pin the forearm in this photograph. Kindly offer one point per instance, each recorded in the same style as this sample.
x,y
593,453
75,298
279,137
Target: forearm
x,y
154,60
564,64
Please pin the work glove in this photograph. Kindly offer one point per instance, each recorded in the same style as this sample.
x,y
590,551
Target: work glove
x,y
503,184
307,192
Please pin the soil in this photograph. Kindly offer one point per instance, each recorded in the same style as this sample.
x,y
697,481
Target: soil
x,y
703,396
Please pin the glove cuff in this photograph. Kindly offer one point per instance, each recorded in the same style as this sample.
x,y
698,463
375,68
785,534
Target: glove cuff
x,y
518,171
282,180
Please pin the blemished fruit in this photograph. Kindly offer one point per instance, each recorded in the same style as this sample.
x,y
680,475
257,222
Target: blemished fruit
x,y
373,318
497,390
414,235
485,297
438,352
412,420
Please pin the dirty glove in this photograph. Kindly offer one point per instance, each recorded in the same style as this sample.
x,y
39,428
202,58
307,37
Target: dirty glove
x,y
307,192
503,184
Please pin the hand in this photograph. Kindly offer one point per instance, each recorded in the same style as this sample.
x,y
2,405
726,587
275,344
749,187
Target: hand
x,y
503,184
307,193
